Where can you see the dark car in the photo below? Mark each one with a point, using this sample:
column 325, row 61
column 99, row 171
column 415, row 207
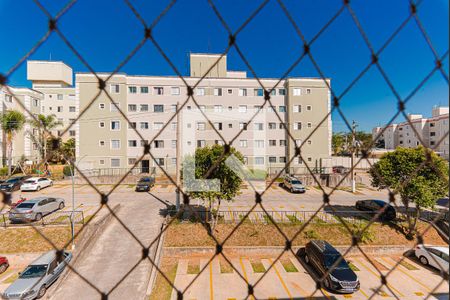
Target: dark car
column 145, row 184
column 322, row 257
column 13, row 183
column 376, row 206
column 4, row 264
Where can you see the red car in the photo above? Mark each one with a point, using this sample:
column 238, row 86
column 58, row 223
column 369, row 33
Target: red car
column 4, row 264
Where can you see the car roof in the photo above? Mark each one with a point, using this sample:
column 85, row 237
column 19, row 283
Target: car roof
column 35, row 200
column 45, row 258
column 442, row 249
column 325, row 247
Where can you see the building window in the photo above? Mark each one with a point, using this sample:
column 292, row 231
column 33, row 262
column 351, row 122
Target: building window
column 259, row 160
column 115, row 162
column 159, row 162
column 132, row 143
column 131, row 161
column 230, row 125
column 200, row 92
column 201, row 143
column 309, row 125
column 218, row 108
column 309, row 159
column 158, row 91
column 174, row 144
column 308, row 91
column 272, row 143
column 144, row 89
column 218, row 125
column 297, row 108
column 242, row 108
column 59, row 97
column 259, row 92
column 72, row 109
column 243, row 143
column 159, row 144
column 8, row 98
column 297, row 126
column 144, row 107
column 282, row 109
column 115, row 144
column 101, row 105
column 72, row 133
column 173, row 108
column 230, row 91
column 158, row 125
column 174, row 161
column 272, row 159
column 114, row 106
column 432, row 143
column 309, row 142
column 144, row 125
column 101, row 143
column 282, row 159
column 272, row 125
column 132, row 125
column 283, row 143
column 173, row 125
column 242, row 92
column 299, row 161
column 258, row 126
column 115, row 88
column 308, row 107
column 60, row 109
column 159, row 108
column 175, row 91
column 243, row 125
column 219, row 142
column 101, row 124
column 201, row 126
column 259, row 143
column 218, row 92
column 132, row 107
column 132, row 89
column 282, row 92
column 115, row 125
column 297, row 92
column 432, row 133
column 432, row 125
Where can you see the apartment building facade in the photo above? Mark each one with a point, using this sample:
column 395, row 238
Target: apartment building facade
column 108, row 140
column 433, row 132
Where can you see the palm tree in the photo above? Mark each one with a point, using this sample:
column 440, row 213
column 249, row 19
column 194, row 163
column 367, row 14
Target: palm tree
column 12, row 121
column 44, row 124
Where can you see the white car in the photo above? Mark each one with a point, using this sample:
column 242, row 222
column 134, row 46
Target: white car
column 35, row 184
column 434, row 256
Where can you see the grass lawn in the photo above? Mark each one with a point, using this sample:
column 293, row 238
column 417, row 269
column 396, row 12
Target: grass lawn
column 288, row 265
column 162, row 289
column 257, row 266
column 11, row 279
column 193, row 267
column 22, row 240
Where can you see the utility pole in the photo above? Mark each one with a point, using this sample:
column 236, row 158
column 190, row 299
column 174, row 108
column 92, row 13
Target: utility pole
column 178, row 158
column 353, row 156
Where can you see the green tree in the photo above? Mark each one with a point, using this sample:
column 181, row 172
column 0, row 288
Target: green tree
column 65, row 151
column 418, row 180
column 12, row 121
column 44, row 124
column 68, row 149
column 338, row 143
column 230, row 182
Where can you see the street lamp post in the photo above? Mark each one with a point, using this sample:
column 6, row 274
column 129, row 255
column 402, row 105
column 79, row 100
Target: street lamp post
column 72, row 221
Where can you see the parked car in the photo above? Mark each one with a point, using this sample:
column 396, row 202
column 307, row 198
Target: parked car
column 35, row 209
column 13, row 183
column 293, row 184
column 375, row 206
column 322, row 256
column 34, row 281
column 4, row 264
column 340, row 170
column 36, row 184
column 433, row 255
column 145, row 184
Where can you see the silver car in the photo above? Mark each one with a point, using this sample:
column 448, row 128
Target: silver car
column 35, row 209
column 33, row 282
column 293, row 184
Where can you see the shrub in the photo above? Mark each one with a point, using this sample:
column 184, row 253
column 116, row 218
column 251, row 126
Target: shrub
column 67, row 171
column 4, row 171
column 311, row 235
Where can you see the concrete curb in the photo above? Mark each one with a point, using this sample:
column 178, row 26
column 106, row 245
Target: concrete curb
column 91, row 232
column 156, row 260
column 247, row 251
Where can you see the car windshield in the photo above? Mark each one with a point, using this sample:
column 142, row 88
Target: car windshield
column 12, row 180
column 25, row 205
column 380, row 203
column 296, row 182
column 332, row 258
column 29, row 181
column 34, row 271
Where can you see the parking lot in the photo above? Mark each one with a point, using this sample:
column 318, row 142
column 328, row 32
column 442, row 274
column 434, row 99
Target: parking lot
column 290, row 279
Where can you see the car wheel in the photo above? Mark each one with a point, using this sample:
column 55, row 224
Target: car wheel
column 307, row 259
column 38, row 217
column 38, row 188
column 41, row 292
column 327, row 284
column 423, row 260
column 51, row 183
column 3, row 268
column 292, row 190
column 61, row 205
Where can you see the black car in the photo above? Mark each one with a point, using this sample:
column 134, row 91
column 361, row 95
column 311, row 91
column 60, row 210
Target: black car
column 389, row 213
column 145, row 184
column 322, row 257
column 13, row 183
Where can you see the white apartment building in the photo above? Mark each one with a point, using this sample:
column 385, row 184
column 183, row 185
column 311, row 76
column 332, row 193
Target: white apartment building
column 431, row 131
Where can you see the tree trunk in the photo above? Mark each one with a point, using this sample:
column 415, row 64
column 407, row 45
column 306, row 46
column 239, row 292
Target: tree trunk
column 9, row 140
column 216, row 219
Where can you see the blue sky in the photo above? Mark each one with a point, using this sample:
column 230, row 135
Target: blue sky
column 105, row 31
